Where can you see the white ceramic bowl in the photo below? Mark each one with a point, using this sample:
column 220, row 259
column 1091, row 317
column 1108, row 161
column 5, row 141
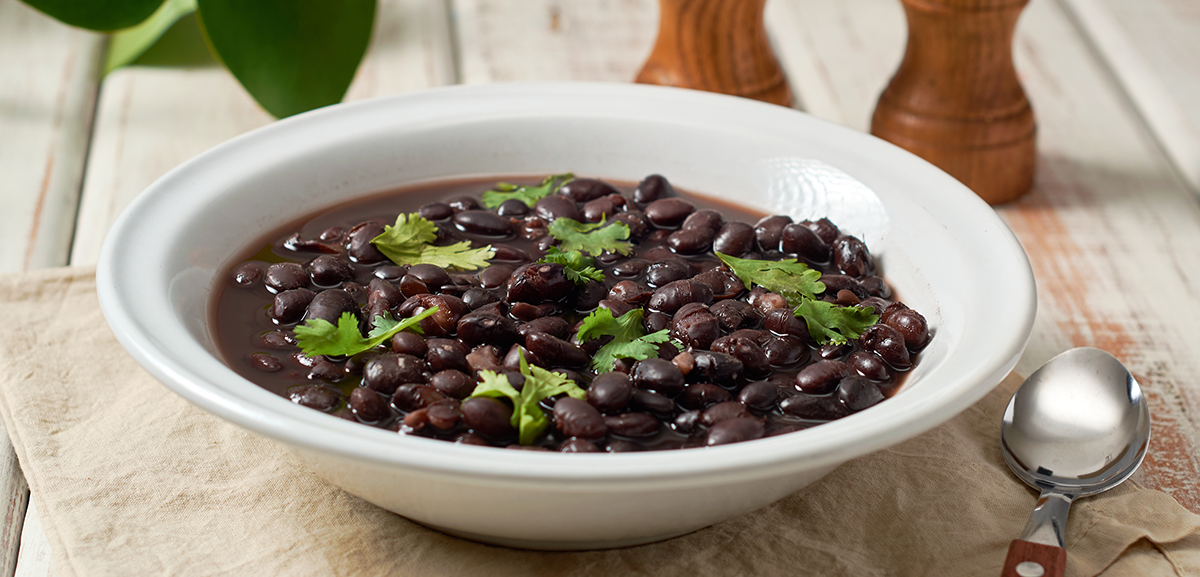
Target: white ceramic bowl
column 946, row 253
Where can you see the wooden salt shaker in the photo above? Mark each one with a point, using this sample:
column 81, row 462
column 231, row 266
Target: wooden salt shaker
column 718, row 46
column 956, row 101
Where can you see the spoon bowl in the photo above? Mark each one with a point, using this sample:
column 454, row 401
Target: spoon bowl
column 1079, row 425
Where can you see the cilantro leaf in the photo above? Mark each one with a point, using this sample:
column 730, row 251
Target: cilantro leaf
column 410, row 242
column 793, row 280
column 526, row 194
column 629, row 340
column 829, row 323
column 528, row 418
column 321, row 337
column 579, row 267
column 593, row 238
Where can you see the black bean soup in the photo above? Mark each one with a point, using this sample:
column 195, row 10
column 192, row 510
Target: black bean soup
column 748, row 366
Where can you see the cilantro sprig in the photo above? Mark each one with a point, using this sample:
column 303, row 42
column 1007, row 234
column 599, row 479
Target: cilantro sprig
column 410, row 240
column 579, row 267
column 629, row 340
column 791, row 279
column 321, row 337
column 526, row 194
column 830, row 323
column 592, row 238
column 528, row 418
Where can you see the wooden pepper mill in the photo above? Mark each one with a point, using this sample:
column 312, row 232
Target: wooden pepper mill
column 956, row 101
column 718, row 46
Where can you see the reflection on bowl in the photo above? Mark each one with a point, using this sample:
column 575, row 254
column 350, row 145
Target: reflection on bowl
column 941, row 247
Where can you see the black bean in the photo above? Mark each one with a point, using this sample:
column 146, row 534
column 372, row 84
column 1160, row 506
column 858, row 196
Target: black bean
column 639, row 225
column 694, row 326
column 704, row 218
column 671, row 297
column 760, row 395
column 283, row 276
column 769, row 230
column 691, row 240
column 610, row 392
column 629, row 268
column 822, row 377
column 556, row 326
column 488, row 416
column 869, row 365
column 633, row 425
column 538, row 283
column 387, row 372
column 857, row 393
column 851, row 257
column 714, row 367
column 555, row 351
column 785, row 351
column 654, row 403
column 358, row 242
column 329, row 270
column 384, row 291
column 652, row 188
column 557, row 206
column 814, row 407
column 797, row 239
column 409, row 343
column 579, row 446
column 734, row 314
column 587, row 296
column 875, row 286
column 276, row 339
column 723, row 412
column 888, row 343
column 476, row 298
column 722, row 284
column 412, row 396
column 485, row 358
column 826, row 230
column 687, row 422
column 265, row 362
column 512, row 207
column 317, row 397
column 436, row 211
column 659, row 376
column 630, row 292
column 461, row 203
column 734, row 431
column 411, row 286
column 585, row 189
column 248, row 274
column 576, row 418
column 329, row 305
column 452, row 383
column 483, row 223
column 663, row 273
column 654, row 322
column 431, row 275
column 702, row 395
column 911, row 325
column 488, row 328
column 598, row 209
column 289, row 305
column 835, row 283
column 734, row 239
column 368, row 405
column 510, row 253
column 441, row 323
column 325, row 370
column 785, row 322
column 669, row 212
column 447, row 354
column 754, row 360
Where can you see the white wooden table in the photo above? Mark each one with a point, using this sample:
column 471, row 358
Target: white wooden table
column 1112, row 226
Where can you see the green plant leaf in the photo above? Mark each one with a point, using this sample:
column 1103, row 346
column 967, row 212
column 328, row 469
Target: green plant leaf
column 829, row 323
column 127, row 45
column 592, row 238
column 291, row 55
column 793, row 280
column 629, row 340
column 96, row 15
column 528, row 418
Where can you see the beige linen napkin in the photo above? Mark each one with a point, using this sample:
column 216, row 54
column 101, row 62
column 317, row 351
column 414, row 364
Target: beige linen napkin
column 132, row 480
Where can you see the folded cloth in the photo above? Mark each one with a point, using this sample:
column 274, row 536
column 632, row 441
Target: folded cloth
column 130, row 479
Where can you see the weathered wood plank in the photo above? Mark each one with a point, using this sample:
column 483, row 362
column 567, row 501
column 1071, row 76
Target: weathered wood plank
column 34, row 558
column 150, row 120
column 1152, row 47
column 48, row 82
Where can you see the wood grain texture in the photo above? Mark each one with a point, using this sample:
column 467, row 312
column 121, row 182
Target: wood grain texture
column 1106, row 226
column 956, row 101
column 718, row 46
column 150, row 120
column 543, row 40
column 1048, row 561
column 34, row 558
column 1152, row 47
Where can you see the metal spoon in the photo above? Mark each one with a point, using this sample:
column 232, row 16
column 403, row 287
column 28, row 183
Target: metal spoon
column 1078, row 426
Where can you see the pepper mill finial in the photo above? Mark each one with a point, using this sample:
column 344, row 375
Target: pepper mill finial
column 956, row 101
column 718, row 46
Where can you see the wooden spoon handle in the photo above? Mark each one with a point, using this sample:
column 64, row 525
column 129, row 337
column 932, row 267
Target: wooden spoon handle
column 1026, row 559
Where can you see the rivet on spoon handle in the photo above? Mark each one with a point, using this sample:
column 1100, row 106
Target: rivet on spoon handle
column 1039, row 551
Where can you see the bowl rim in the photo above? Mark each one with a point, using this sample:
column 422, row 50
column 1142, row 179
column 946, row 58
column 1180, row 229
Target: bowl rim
column 816, row 447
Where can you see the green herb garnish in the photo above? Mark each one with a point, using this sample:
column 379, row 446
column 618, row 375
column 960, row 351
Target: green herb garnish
column 829, row 323
column 410, row 242
column 593, row 238
column 321, row 337
column 630, row 341
column 791, row 279
column 526, row 194
column 528, row 418
column 579, row 267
